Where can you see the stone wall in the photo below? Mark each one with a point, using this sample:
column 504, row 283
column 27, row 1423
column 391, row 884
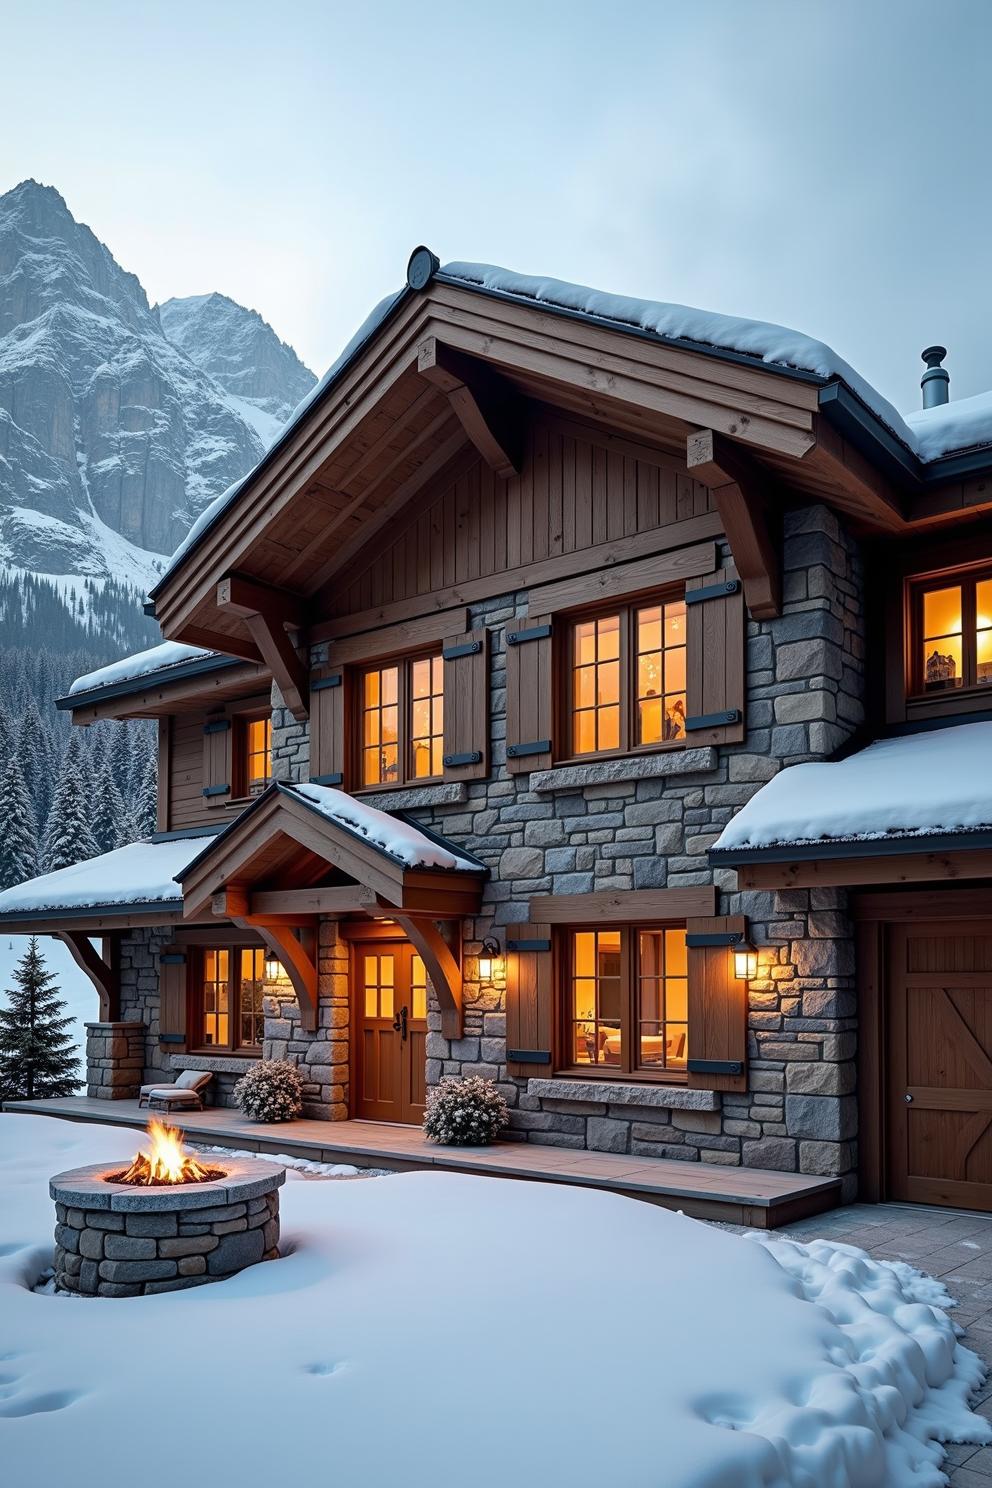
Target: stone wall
column 322, row 1056
column 115, row 1057
column 140, row 951
column 648, row 823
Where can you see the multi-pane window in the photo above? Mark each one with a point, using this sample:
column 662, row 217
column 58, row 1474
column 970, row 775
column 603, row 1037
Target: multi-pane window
column 232, row 986
column 628, row 678
column 258, row 754
column 626, row 1001
column 402, row 721
column 953, row 627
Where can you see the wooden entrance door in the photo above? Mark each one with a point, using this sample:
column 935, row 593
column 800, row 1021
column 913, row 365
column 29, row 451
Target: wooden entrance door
column 940, row 1063
column 390, row 1016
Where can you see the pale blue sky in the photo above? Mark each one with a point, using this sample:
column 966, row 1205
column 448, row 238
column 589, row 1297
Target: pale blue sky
column 825, row 165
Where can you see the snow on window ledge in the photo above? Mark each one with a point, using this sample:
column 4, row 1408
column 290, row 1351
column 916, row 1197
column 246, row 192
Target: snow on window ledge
column 617, row 771
column 614, row 1093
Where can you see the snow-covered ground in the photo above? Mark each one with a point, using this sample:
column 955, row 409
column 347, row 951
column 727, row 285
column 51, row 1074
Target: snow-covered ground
column 437, row 1329
column 77, row 990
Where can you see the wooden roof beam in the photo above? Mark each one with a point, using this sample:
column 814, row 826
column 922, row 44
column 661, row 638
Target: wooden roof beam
column 489, row 410
column 739, row 486
column 268, row 614
column 105, row 975
column 442, row 968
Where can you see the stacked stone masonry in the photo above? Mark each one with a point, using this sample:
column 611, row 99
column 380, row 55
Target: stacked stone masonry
column 115, row 1058
column 649, row 824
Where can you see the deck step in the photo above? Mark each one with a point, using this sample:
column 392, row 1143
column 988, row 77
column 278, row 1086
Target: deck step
column 751, row 1196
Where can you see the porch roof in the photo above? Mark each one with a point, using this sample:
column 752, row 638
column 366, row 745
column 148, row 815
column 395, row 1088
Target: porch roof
column 924, row 795
column 130, row 885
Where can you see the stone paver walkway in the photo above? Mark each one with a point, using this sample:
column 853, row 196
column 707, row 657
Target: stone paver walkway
column 948, row 1243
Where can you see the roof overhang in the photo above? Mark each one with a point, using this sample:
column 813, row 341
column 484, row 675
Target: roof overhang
column 920, row 858
column 192, row 684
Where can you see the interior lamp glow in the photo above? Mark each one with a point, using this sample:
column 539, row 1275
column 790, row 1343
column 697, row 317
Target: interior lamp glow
column 488, row 957
column 745, row 961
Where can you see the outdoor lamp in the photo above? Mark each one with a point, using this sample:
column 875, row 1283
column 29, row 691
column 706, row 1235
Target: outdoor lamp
column 745, row 961
column 273, row 966
column 488, row 957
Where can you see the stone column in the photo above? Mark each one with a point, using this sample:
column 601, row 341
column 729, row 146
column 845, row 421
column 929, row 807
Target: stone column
column 115, row 1057
column 322, row 1056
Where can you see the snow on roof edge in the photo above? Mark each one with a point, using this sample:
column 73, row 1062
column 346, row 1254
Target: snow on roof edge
column 139, row 874
column 141, row 665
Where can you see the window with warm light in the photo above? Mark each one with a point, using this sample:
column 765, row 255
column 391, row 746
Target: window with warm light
column 258, row 754
column 953, row 634
column 231, row 989
column 627, row 678
column 402, row 721
column 626, row 1000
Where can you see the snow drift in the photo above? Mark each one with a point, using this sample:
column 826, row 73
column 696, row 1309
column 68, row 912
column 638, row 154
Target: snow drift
column 435, row 1329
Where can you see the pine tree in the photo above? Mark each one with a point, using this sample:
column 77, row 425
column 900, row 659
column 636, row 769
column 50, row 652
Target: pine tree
column 19, row 834
column 68, row 836
column 34, row 759
column 108, row 811
column 37, row 1056
column 143, row 817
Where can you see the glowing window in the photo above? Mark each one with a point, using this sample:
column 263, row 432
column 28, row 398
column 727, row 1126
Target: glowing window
column 227, row 1004
column 258, row 754
column 628, row 679
column 402, row 721
column 953, row 634
column 626, row 1004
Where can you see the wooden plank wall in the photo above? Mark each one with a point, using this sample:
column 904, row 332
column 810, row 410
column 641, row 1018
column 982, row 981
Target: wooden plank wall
column 579, row 487
column 185, row 804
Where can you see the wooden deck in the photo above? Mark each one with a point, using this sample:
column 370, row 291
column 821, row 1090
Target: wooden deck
column 748, row 1196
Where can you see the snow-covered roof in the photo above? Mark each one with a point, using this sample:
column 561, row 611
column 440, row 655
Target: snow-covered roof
column 401, row 840
column 928, row 435
column 141, row 873
column 142, row 664
column 917, row 785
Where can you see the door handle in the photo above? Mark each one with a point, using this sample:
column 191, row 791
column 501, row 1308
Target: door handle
column 403, row 1018
column 907, row 1097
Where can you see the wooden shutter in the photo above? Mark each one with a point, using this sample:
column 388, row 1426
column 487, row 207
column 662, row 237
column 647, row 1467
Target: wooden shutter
column 529, row 694
column 717, row 1045
column 172, row 996
column 530, row 1007
column 327, row 730
column 466, row 706
column 715, row 659
column 217, row 761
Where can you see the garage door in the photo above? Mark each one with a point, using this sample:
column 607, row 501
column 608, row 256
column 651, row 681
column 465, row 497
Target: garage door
column 939, row 1038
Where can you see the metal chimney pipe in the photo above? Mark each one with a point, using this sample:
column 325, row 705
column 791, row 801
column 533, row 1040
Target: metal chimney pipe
column 936, row 378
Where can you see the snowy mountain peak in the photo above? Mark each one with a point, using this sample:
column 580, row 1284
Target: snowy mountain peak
column 116, row 427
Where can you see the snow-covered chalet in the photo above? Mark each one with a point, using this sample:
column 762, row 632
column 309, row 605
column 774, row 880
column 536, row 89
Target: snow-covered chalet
column 590, row 694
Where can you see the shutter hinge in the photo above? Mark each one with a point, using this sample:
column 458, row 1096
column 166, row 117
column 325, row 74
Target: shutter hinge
column 217, row 726
column 528, row 945
column 467, row 648
column 529, row 1056
column 334, row 778
column 535, row 746
column 715, row 1066
column 535, row 633
column 713, row 720
column 172, row 958
column 717, row 938
column 712, row 591
column 470, row 757
column 217, row 790
column 334, row 680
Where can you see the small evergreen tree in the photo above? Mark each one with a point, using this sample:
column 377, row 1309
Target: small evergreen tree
column 108, row 812
column 142, row 820
column 18, row 828
column 68, row 836
column 37, row 1056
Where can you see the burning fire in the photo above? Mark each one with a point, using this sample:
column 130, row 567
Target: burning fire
column 167, row 1161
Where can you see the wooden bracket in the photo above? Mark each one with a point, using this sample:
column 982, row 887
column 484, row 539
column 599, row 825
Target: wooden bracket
column 739, row 489
column 488, row 408
column 105, row 975
column 298, row 959
column 268, row 614
column 442, row 968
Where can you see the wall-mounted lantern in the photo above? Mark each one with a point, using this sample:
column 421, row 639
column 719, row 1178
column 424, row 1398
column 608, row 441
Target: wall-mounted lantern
column 489, row 958
column 745, row 961
column 273, row 966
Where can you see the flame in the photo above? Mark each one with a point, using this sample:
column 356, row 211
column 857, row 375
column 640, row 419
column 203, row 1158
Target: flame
column 167, row 1161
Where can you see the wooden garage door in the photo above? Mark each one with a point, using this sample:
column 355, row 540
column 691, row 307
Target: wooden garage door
column 940, row 1063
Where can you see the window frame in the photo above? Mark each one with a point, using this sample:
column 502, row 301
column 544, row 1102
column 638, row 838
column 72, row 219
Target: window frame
column 967, row 580
column 404, row 663
column 241, row 724
column 627, row 1072
column 195, row 1011
column 626, row 607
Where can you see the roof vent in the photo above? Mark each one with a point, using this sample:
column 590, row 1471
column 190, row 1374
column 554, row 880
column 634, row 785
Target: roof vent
column 936, row 378
column 422, row 267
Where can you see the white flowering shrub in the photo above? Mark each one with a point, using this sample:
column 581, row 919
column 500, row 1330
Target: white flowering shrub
column 465, row 1113
column 271, row 1091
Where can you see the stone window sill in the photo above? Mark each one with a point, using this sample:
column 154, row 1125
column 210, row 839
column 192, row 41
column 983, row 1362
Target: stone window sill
column 218, row 1064
column 618, row 1093
column 406, row 798
column 624, row 769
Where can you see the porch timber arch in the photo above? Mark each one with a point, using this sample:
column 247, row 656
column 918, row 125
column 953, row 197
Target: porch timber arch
column 288, row 862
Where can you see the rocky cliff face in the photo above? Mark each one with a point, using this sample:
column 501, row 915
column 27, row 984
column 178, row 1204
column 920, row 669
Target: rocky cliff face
column 113, row 437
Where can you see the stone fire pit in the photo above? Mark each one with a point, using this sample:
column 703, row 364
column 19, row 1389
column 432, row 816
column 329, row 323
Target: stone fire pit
column 118, row 1240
